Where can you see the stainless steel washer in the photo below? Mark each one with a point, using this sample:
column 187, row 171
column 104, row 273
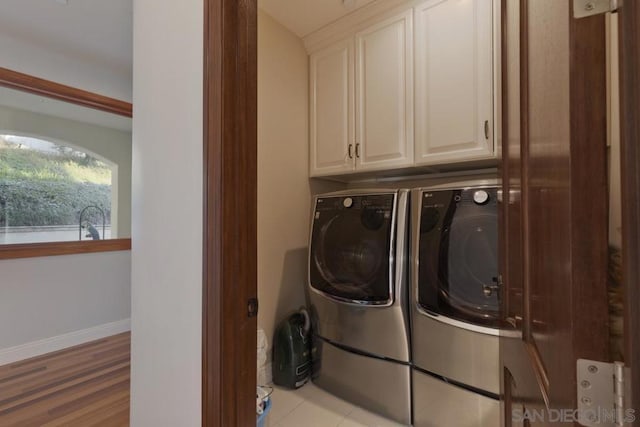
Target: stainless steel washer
column 359, row 299
column 455, row 304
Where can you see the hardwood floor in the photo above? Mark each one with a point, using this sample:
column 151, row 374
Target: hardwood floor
column 87, row 385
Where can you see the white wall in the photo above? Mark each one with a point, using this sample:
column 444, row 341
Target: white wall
column 283, row 189
column 167, row 214
column 20, row 55
column 66, row 277
column 46, row 297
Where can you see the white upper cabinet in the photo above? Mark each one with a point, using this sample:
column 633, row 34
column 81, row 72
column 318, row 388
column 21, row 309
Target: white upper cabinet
column 332, row 146
column 384, row 94
column 404, row 83
column 454, row 81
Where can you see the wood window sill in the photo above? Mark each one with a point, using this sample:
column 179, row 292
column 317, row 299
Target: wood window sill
column 33, row 250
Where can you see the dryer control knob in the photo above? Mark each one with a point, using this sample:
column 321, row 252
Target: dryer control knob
column 481, row 197
column 347, row 202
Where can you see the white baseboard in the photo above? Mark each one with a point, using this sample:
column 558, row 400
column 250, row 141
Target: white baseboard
column 48, row 345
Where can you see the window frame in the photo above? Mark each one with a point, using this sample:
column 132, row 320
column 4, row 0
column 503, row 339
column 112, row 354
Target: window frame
column 35, row 85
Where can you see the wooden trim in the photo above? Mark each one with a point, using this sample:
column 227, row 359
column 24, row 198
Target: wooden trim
column 503, row 165
column 230, row 213
column 524, row 170
column 33, row 250
column 35, row 85
column 590, row 194
column 629, row 36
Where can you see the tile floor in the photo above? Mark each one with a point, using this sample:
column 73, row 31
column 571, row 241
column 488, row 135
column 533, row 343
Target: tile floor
column 310, row 406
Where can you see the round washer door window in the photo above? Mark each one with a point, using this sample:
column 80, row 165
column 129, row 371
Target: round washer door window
column 472, row 263
column 350, row 251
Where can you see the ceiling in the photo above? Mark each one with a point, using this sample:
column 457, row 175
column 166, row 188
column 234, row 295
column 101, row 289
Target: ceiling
column 100, row 31
column 64, row 110
column 95, row 31
column 303, row 17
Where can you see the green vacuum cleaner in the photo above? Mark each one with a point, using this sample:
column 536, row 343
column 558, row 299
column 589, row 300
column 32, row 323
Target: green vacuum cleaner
column 292, row 351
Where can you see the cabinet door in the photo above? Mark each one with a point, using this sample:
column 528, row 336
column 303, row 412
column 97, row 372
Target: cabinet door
column 454, row 84
column 384, row 94
column 332, row 137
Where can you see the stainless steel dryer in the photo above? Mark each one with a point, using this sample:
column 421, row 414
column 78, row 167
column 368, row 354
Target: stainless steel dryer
column 359, row 299
column 455, row 300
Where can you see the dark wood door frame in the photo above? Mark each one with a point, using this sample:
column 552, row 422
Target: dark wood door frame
column 629, row 21
column 554, row 220
column 230, row 213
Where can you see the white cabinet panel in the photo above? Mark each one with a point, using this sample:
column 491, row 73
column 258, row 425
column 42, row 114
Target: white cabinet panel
column 331, row 110
column 454, row 90
column 384, row 94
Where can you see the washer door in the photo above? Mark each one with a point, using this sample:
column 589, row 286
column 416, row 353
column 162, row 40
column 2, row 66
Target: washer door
column 458, row 247
column 469, row 264
column 351, row 246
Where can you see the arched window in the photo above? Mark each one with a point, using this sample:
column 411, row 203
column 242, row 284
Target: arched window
column 52, row 193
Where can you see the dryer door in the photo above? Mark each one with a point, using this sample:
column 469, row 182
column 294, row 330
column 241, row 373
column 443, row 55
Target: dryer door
column 351, row 253
column 458, row 246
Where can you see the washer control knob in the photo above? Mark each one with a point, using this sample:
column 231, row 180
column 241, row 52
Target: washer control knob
column 347, row 202
column 481, row 197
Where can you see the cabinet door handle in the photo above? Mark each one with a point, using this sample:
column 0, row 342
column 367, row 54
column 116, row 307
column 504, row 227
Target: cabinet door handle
column 350, row 149
column 486, row 129
column 358, row 150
